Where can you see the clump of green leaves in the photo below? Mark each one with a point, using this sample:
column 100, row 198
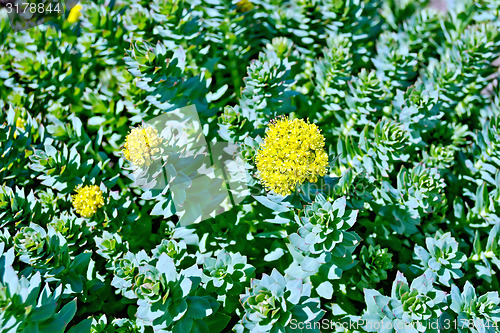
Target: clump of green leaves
column 404, row 94
column 273, row 301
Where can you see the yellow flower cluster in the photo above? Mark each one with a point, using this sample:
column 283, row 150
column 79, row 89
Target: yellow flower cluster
column 75, row 13
column 141, row 144
column 292, row 152
column 87, row 199
column 21, row 123
column 244, row 6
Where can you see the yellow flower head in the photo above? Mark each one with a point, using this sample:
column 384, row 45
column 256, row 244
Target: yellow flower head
column 141, row 144
column 75, row 13
column 244, row 6
column 87, row 199
column 292, row 152
column 20, row 123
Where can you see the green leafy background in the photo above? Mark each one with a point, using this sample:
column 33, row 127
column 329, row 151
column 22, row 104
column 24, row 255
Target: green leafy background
column 404, row 227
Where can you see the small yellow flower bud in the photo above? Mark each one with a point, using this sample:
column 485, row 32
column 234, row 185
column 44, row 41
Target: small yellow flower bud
column 244, row 6
column 20, row 123
column 75, row 13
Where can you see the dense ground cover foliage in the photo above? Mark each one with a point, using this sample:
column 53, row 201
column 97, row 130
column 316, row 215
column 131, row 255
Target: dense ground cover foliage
column 383, row 125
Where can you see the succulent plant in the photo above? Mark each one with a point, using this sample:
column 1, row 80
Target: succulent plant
column 442, row 257
column 416, row 306
column 323, row 239
column 168, row 300
column 227, row 272
column 475, row 313
column 272, row 302
column 27, row 304
column 419, row 194
column 406, row 96
column 374, row 262
column 126, row 270
column 173, row 248
column 37, row 247
column 395, row 63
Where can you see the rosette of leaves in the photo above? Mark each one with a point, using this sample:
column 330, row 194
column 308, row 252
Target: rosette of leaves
column 360, row 21
column 441, row 157
column 272, row 302
column 419, row 195
column 47, row 252
column 125, row 270
column 17, row 206
column 375, row 156
column 147, row 283
column 26, row 304
column 391, row 140
column 372, row 267
column 168, row 298
column 479, row 45
column 175, row 249
column 43, row 60
column 227, row 274
column 465, row 66
column 417, row 109
column 442, row 257
column 282, row 46
column 332, row 74
column 323, row 243
column 396, row 65
column 164, row 83
column 476, row 314
column 76, row 231
column 446, row 77
column 424, row 32
column 305, row 17
column 267, row 89
column 41, row 249
column 266, row 94
column 365, row 101
column 63, row 168
column 103, row 33
column 110, row 246
column 483, row 180
column 407, row 305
